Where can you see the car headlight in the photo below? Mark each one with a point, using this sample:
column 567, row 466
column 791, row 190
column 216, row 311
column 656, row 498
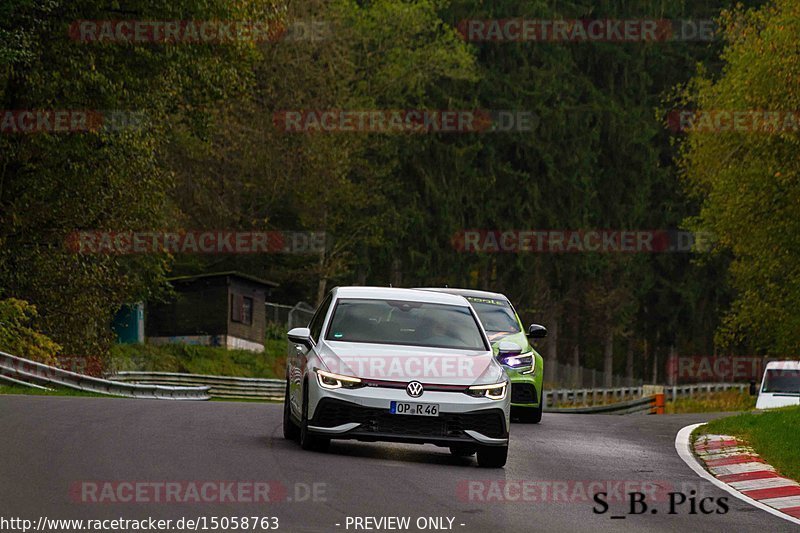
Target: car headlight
column 495, row 391
column 329, row 380
column 524, row 362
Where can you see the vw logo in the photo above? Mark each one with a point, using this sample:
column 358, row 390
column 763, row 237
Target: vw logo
column 414, row 389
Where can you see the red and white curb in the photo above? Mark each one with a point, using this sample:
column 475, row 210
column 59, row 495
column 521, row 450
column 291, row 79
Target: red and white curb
column 738, row 470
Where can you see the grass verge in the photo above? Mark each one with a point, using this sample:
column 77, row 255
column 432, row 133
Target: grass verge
column 202, row 359
column 715, row 402
column 183, row 358
column 30, row 391
column 773, row 434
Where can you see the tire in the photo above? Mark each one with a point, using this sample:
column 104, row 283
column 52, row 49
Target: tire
column 309, row 441
column 290, row 429
column 462, row 451
column 492, row 456
column 530, row 415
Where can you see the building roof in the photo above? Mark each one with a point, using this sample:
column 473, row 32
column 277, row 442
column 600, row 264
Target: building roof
column 230, row 273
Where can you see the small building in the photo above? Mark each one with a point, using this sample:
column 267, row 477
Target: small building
column 221, row 309
column 128, row 324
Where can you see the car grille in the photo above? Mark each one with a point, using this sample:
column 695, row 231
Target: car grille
column 331, row 413
column 523, row 393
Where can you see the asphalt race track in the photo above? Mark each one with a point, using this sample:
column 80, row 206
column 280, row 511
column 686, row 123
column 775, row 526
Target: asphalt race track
column 50, row 444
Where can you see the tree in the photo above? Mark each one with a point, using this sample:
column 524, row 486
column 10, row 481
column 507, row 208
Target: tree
column 748, row 179
column 19, row 338
column 55, row 183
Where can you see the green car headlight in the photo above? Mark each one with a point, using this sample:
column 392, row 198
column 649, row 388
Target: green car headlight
column 525, row 363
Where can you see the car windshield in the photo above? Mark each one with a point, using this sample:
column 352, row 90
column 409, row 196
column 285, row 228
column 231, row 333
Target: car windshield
column 782, row 381
column 497, row 316
column 405, row 323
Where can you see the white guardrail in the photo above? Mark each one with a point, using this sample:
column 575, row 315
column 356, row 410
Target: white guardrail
column 637, row 405
column 177, row 386
column 595, row 397
column 29, row 373
column 219, row 386
column 624, row 400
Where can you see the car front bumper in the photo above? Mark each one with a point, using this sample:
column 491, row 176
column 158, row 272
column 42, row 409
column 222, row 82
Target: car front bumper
column 526, row 389
column 363, row 414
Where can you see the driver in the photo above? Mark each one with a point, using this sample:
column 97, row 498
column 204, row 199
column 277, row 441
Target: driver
column 440, row 334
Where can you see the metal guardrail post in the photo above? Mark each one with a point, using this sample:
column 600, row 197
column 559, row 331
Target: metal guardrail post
column 658, row 404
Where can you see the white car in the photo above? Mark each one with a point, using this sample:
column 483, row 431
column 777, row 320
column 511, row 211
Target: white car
column 397, row 365
column 780, row 386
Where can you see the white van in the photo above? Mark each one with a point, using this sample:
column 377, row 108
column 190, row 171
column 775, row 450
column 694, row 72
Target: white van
column 780, row 386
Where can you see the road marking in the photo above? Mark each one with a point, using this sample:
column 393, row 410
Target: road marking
column 683, row 447
column 777, row 492
column 783, row 503
column 794, row 511
column 740, row 468
column 744, row 476
column 735, row 460
column 716, row 444
column 764, row 483
column 728, row 452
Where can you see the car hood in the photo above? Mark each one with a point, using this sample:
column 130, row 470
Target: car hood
column 409, row 363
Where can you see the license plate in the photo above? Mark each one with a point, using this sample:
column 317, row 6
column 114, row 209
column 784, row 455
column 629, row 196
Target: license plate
column 416, row 409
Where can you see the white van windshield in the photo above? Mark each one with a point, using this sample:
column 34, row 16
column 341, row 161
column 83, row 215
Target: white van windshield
column 782, row 381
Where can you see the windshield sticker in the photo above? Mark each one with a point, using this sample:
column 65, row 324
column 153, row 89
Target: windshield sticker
column 490, row 301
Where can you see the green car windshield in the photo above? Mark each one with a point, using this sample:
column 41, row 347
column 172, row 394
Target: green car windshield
column 497, row 316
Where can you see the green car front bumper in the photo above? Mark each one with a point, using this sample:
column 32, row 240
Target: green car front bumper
column 526, row 389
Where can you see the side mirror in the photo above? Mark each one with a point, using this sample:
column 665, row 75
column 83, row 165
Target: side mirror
column 300, row 336
column 535, row 331
column 506, row 348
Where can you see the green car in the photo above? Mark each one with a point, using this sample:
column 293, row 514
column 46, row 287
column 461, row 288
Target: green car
column 510, row 343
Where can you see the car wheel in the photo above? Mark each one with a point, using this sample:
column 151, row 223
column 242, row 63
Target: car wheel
column 492, row 456
column 290, row 429
column 462, row 451
column 530, row 415
column 307, row 440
